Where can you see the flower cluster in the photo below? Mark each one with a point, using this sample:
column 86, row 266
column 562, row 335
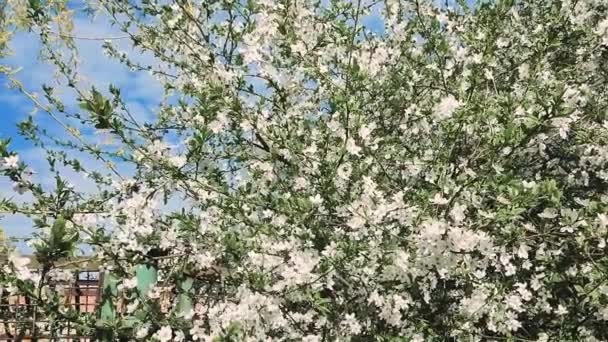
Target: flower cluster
column 349, row 170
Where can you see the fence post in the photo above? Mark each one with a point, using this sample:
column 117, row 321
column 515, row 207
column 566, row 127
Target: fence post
column 146, row 278
column 184, row 300
column 108, row 310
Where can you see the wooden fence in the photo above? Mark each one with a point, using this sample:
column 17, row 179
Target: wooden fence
column 22, row 320
column 90, row 293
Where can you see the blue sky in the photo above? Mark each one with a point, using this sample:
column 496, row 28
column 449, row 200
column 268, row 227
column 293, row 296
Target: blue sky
column 142, row 94
column 140, row 90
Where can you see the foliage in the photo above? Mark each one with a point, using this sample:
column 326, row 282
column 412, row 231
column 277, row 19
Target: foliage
column 440, row 175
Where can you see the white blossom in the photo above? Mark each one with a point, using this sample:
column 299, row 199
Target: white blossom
column 165, row 334
column 10, row 162
column 446, row 107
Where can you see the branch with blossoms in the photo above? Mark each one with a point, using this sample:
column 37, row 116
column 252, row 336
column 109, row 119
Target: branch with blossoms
column 320, row 171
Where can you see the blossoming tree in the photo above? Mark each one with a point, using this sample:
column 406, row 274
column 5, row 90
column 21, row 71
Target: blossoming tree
column 440, row 175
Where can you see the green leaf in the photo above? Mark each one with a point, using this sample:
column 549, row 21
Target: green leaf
column 100, row 109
